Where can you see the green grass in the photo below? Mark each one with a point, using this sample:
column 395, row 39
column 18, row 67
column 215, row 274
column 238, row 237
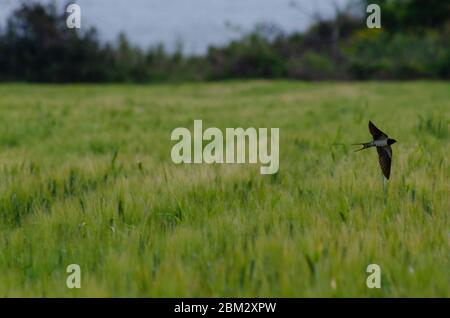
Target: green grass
column 86, row 178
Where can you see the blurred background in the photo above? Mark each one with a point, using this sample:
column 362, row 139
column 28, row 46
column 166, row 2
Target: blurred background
column 206, row 40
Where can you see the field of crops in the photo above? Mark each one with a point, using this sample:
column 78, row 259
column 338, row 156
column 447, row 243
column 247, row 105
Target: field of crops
column 86, row 178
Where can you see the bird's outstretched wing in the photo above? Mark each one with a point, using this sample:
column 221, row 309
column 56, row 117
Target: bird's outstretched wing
column 376, row 133
column 385, row 159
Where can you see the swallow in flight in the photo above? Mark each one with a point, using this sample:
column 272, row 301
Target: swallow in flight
column 383, row 144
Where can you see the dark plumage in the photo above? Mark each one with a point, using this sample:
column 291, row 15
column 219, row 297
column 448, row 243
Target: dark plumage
column 383, row 144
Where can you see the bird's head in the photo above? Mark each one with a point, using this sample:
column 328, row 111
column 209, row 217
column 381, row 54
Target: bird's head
column 391, row 141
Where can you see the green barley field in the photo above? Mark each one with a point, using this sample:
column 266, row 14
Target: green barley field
column 86, row 178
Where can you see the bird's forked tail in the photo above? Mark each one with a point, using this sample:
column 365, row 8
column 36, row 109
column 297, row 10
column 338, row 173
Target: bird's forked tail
column 364, row 145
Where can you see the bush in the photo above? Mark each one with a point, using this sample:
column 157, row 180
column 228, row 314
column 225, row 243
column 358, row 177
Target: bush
column 381, row 55
column 251, row 57
column 313, row 66
column 37, row 46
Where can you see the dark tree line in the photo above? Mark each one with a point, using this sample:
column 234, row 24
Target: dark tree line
column 37, row 46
